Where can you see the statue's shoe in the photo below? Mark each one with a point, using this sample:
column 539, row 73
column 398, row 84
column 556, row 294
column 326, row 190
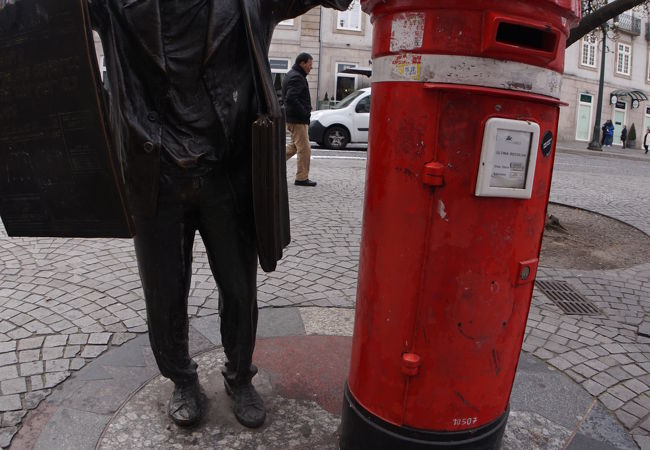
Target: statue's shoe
column 184, row 406
column 248, row 405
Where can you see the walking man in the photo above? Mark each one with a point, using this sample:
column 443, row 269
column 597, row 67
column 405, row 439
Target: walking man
column 182, row 98
column 624, row 135
column 297, row 104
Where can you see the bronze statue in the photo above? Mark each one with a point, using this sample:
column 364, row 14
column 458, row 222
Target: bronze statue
column 182, row 101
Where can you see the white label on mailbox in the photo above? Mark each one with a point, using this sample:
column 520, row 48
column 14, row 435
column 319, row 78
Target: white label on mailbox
column 508, row 158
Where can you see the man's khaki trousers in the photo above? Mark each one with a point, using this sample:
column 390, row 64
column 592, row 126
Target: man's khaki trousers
column 299, row 144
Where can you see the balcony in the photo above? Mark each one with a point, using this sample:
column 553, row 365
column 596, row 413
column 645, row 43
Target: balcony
column 627, row 23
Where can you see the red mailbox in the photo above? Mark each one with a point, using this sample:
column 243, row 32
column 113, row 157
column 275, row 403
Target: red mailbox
column 465, row 105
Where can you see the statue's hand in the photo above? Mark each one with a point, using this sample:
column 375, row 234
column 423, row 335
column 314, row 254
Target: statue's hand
column 341, row 5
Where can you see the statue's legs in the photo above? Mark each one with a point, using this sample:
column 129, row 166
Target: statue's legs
column 232, row 254
column 163, row 247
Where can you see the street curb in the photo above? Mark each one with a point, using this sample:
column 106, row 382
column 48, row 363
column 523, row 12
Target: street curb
column 600, row 154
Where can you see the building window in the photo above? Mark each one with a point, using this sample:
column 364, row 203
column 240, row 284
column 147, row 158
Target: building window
column 279, row 68
column 345, row 82
column 287, row 23
column 351, row 18
column 623, row 56
column 588, row 56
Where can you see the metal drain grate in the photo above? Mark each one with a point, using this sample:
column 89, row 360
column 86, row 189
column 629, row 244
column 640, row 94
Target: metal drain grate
column 567, row 299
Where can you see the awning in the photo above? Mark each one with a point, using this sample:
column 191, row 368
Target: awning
column 634, row 95
column 367, row 71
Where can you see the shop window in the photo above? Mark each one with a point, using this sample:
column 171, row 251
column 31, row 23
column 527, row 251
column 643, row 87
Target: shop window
column 279, row 69
column 345, row 83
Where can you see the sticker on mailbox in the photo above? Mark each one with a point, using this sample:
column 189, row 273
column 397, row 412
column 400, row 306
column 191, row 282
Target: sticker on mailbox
column 406, row 65
column 508, row 158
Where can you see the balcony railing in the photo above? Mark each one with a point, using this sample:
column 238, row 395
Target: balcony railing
column 628, row 24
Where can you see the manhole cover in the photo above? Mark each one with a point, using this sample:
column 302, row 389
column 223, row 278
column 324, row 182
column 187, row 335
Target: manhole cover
column 567, row 299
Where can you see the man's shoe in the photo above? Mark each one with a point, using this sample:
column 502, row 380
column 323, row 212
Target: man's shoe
column 184, row 406
column 306, row 182
column 248, row 405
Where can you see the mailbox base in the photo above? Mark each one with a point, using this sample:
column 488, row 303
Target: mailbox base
column 361, row 430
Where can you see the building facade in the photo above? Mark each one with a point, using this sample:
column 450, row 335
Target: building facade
column 626, row 81
column 337, row 41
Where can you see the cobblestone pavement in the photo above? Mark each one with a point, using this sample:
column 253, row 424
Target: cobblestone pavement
column 63, row 302
column 603, row 353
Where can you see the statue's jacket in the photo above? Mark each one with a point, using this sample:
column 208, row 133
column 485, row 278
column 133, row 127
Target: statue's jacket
column 137, row 83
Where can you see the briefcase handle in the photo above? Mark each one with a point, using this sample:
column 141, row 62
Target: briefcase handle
column 270, row 100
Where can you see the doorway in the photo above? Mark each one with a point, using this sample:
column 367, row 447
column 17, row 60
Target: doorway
column 583, row 126
column 619, row 121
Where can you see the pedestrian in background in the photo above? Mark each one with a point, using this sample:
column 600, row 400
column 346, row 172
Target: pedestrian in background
column 297, row 104
column 624, row 135
column 609, row 133
column 646, row 140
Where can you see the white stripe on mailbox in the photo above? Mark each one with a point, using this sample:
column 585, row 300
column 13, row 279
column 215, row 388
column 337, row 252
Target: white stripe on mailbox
column 469, row 70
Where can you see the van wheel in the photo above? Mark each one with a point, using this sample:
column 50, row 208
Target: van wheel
column 336, row 137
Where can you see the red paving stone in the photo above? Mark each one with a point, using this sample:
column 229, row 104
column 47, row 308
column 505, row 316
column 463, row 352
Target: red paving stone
column 307, row 367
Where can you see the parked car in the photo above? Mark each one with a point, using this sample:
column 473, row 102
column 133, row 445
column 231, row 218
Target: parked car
column 346, row 122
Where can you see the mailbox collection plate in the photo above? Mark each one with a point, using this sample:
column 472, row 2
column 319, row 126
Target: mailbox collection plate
column 508, row 159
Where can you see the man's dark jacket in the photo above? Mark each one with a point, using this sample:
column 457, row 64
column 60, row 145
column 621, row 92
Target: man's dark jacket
column 295, row 93
column 137, row 83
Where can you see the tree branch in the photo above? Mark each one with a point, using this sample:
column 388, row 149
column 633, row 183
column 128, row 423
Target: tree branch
column 599, row 17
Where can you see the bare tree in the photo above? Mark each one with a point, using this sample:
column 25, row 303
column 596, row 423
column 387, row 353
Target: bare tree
column 597, row 12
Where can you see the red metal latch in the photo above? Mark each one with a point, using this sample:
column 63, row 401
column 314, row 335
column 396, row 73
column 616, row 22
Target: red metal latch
column 410, row 364
column 433, row 174
column 526, row 272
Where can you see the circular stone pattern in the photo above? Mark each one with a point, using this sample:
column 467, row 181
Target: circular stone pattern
column 588, row 241
column 143, row 423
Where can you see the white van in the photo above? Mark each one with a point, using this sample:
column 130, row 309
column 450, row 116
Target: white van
column 346, row 122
